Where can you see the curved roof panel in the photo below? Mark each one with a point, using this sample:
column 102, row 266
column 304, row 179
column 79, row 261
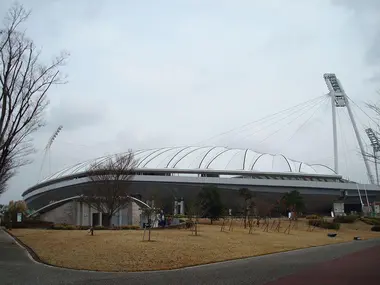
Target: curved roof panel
column 207, row 157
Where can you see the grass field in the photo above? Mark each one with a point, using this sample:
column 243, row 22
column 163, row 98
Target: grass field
column 173, row 248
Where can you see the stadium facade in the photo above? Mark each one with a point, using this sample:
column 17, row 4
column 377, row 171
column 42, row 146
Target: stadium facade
column 181, row 172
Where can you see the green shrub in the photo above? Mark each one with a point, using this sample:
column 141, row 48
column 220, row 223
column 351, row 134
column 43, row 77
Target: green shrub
column 346, row 219
column 312, row 217
column 96, row 228
column 129, row 227
column 29, row 224
column 178, row 216
column 85, row 228
column 70, row 227
column 375, row 229
column 99, row 228
column 321, row 223
column 63, row 227
column 371, row 221
column 330, row 225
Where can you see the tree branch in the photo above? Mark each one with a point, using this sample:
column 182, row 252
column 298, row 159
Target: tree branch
column 24, row 84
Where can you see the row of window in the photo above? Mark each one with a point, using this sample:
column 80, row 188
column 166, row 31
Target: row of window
column 276, row 177
column 255, row 176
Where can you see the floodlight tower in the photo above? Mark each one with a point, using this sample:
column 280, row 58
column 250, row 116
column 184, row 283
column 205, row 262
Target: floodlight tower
column 375, row 143
column 339, row 100
column 47, row 148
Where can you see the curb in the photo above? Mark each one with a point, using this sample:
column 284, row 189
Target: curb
column 34, row 257
column 31, row 252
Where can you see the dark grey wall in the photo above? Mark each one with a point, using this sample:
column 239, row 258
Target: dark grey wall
column 164, row 194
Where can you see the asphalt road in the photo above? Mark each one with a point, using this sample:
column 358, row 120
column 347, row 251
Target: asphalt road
column 16, row 267
column 361, row 267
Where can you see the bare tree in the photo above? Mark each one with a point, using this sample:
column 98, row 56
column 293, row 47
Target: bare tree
column 24, row 84
column 150, row 213
column 194, row 212
column 249, row 203
column 112, row 177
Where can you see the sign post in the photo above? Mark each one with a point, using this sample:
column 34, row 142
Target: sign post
column 19, row 217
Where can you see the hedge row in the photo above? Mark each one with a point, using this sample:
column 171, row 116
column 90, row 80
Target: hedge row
column 29, row 224
column 320, row 223
column 371, row 221
column 346, row 219
column 375, row 229
column 96, row 228
column 313, row 217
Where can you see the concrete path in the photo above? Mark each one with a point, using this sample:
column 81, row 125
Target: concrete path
column 16, row 267
column 362, row 267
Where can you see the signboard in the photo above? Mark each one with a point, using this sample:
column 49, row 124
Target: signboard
column 19, row 217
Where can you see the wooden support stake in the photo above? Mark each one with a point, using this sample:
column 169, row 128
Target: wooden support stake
column 223, row 225
column 278, row 226
column 266, row 226
column 273, row 224
column 231, row 228
column 288, row 227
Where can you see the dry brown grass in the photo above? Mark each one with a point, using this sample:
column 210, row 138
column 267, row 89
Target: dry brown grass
column 174, row 248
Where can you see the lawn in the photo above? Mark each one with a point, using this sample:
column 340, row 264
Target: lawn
column 172, row 248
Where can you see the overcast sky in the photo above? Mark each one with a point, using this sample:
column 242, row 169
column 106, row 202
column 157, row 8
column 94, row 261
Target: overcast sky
column 146, row 74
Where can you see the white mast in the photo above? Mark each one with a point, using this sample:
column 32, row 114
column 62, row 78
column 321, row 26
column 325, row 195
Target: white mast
column 47, row 149
column 339, row 99
column 375, row 143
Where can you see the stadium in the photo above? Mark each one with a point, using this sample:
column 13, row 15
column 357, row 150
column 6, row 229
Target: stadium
column 172, row 174
column 166, row 174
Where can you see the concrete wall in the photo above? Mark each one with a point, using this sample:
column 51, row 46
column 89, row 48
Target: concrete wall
column 78, row 213
column 64, row 214
column 134, row 214
column 318, row 202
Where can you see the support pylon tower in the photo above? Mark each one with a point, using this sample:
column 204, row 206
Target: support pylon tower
column 339, row 99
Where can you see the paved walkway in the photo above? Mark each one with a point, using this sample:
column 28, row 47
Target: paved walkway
column 17, row 268
column 362, row 267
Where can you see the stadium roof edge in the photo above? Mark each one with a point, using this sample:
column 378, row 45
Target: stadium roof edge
column 190, row 171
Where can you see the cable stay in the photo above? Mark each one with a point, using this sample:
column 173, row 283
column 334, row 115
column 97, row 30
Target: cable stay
column 294, row 119
column 271, row 116
column 323, row 103
column 284, row 118
column 361, row 109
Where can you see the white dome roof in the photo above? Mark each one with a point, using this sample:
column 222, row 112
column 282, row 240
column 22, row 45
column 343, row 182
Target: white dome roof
column 208, row 157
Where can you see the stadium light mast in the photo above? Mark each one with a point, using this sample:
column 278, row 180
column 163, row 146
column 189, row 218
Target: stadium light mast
column 47, row 149
column 375, row 143
column 339, row 100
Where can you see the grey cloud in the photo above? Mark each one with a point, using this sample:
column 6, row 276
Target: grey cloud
column 367, row 15
column 73, row 116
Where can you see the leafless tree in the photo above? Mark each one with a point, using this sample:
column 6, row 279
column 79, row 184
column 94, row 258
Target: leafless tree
column 249, row 203
column 193, row 213
column 112, row 177
column 24, row 84
column 150, row 213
